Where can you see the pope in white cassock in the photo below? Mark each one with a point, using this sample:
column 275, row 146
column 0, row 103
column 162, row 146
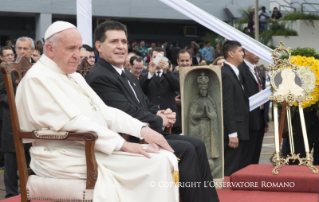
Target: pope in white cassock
column 53, row 96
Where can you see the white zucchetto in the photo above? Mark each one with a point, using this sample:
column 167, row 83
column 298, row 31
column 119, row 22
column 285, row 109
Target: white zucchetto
column 56, row 27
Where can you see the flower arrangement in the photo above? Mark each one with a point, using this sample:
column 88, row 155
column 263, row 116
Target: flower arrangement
column 309, row 71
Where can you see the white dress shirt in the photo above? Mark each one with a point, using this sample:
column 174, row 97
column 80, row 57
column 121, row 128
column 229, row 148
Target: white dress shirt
column 120, row 71
column 251, row 68
column 149, row 76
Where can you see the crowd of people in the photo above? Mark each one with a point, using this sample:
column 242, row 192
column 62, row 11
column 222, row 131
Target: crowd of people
column 127, row 78
column 264, row 18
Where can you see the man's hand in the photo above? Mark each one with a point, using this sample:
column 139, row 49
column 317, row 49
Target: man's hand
column 164, row 65
column 233, row 142
column 164, row 117
column 138, row 149
column 151, row 68
column 169, row 117
column 155, row 139
column 267, row 128
column 178, row 100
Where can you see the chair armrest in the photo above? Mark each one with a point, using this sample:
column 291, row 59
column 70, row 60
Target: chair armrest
column 168, row 130
column 88, row 137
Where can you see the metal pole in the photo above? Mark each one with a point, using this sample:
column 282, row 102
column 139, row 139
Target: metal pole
column 256, row 21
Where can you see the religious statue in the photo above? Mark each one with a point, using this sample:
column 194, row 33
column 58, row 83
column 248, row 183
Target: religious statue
column 288, row 83
column 203, row 119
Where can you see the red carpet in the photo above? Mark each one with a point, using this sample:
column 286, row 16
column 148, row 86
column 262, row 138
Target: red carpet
column 291, row 178
column 229, row 195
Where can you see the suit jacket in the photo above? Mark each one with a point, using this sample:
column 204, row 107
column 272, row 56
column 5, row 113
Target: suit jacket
column 235, row 105
column 195, row 61
column 251, row 88
column 162, row 92
column 7, row 141
column 115, row 91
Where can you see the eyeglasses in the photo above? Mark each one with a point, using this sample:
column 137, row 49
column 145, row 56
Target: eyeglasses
column 8, row 55
column 92, row 57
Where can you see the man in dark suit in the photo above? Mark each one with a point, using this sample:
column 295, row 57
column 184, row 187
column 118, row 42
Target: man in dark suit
column 253, row 82
column 25, row 46
column 160, row 85
column 183, row 60
column 122, row 90
column 235, row 107
column 196, row 59
column 173, row 52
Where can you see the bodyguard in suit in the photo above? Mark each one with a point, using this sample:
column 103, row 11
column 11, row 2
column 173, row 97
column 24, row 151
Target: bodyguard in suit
column 235, row 107
column 253, row 82
column 121, row 89
column 160, row 86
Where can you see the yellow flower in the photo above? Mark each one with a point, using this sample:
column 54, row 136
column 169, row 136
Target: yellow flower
column 310, row 59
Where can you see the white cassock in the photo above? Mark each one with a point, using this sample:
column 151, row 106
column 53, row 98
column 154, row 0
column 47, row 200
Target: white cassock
column 49, row 98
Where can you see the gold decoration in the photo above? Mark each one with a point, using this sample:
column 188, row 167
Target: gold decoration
column 288, row 93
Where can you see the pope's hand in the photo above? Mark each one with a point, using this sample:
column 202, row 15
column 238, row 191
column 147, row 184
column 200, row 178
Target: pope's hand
column 233, row 142
column 155, row 139
column 138, row 149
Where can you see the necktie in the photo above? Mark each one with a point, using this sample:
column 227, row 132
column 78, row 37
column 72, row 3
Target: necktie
column 157, row 77
column 241, row 83
column 258, row 81
column 129, row 83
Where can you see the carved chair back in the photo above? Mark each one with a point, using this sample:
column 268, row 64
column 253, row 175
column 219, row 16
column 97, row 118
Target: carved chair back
column 20, row 68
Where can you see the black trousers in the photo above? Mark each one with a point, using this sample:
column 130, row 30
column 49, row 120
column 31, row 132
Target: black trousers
column 312, row 124
column 10, row 174
column 193, row 167
column 299, row 145
column 252, row 147
column 10, row 171
column 247, row 151
column 1, row 153
column 259, row 139
column 232, row 157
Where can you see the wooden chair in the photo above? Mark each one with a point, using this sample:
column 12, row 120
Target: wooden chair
column 84, row 68
column 32, row 181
